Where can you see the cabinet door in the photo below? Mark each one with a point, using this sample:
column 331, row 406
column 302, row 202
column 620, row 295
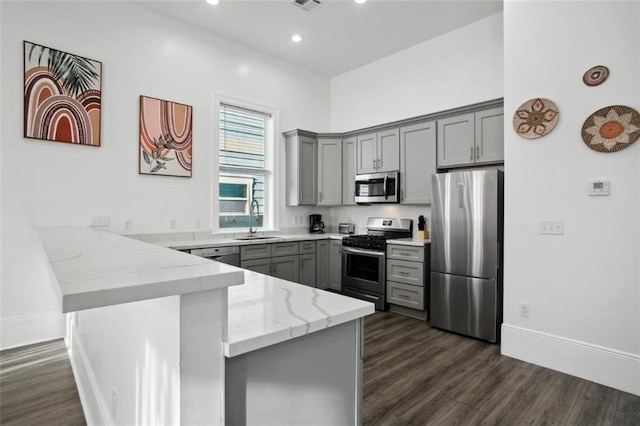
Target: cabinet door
column 307, row 171
column 322, row 264
column 285, row 267
column 366, row 146
column 417, row 162
column 262, row 266
column 348, row 171
column 389, row 150
column 456, row 138
column 490, row 135
column 335, row 265
column 307, row 273
column 329, row 172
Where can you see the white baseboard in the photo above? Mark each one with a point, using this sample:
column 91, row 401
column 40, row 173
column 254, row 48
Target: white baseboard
column 96, row 412
column 27, row 329
column 609, row 367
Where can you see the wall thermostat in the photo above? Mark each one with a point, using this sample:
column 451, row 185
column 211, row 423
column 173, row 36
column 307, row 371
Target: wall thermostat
column 598, row 187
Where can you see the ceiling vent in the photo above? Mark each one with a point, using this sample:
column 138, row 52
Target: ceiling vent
column 307, row 5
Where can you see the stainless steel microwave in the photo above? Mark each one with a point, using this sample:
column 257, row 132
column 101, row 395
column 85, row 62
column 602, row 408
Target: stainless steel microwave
column 378, row 188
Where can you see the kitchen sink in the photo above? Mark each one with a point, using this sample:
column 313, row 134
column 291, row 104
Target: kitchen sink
column 254, row 238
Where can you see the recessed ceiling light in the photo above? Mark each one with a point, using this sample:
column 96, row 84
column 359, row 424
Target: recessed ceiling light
column 360, row 1
column 296, row 38
column 213, row 2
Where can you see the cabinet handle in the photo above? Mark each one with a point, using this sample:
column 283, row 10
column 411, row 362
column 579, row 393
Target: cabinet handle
column 320, row 196
column 403, row 273
column 300, row 196
column 274, row 267
column 374, row 164
column 401, row 194
column 378, row 162
column 477, row 152
column 471, row 156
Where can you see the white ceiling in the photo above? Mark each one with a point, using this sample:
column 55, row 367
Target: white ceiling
column 339, row 35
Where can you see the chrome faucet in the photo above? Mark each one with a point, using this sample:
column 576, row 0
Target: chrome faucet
column 255, row 204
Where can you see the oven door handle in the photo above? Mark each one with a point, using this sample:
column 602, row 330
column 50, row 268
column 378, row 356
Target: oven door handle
column 371, row 253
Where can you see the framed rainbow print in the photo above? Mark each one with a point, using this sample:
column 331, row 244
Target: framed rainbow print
column 62, row 96
column 165, row 137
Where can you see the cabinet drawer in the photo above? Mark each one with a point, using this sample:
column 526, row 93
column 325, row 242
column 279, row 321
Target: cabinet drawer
column 257, row 251
column 262, row 266
column 284, row 249
column 405, row 295
column 402, row 252
column 307, row 247
column 405, row 272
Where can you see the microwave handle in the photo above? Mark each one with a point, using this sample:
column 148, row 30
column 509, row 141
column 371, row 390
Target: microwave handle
column 384, row 190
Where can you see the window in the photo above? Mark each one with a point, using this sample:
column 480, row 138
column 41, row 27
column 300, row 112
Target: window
column 245, row 138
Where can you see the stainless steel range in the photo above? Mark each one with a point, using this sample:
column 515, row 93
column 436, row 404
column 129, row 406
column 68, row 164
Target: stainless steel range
column 364, row 259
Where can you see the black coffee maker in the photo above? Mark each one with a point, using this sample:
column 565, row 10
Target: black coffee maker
column 317, row 225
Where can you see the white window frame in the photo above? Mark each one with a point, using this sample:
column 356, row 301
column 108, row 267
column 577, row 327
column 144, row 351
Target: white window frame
column 242, row 181
column 272, row 173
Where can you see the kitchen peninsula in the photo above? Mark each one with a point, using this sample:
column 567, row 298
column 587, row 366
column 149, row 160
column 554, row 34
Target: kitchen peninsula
column 276, row 335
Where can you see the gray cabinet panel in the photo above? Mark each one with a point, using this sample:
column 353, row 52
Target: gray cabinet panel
column 417, row 162
column 307, row 273
column 329, row 172
column 348, row 171
column 284, row 249
column 388, row 150
column 402, row 252
column 366, row 153
column 262, row 266
column 322, row 264
column 490, row 135
column 307, row 171
column 402, row 271
column 456, row 140
column 255, row 251
column 306, row 247
column 335, row 265
column 285, row 267
column 405, row 295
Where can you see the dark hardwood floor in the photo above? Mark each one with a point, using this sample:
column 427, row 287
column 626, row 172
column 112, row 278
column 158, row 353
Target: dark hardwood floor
column 416, row 375
column 37, row 386
column 413, row 375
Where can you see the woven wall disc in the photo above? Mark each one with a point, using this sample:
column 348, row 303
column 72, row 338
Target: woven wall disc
column 595, row 76
column 535, row 118
column 611, row 128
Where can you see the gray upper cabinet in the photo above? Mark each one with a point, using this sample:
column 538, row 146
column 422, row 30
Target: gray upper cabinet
column 329, row 172
column 473, row 138
column 417, row 162
column 348, row 171
column 378, row 152
column 301, row 169
column 490, row 135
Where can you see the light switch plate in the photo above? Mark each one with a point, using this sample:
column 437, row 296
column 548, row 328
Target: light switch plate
column 552, row 227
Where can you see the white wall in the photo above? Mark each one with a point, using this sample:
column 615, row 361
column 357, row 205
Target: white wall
column 459, row 68
column 582, row 287
column 47, row 184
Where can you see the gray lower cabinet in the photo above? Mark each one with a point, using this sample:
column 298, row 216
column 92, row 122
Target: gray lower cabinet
column 286, row 267
column 322, row 264
column 335, row 265
column 408, row 279
column 255, row 251
column 307, row 273
column 262, row 266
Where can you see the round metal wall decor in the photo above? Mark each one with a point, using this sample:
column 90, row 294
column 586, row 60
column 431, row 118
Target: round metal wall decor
column 611, row 129
column 535, row 118
column 595, row 76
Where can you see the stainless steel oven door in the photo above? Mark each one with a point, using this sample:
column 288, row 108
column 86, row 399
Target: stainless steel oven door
column 363, row 269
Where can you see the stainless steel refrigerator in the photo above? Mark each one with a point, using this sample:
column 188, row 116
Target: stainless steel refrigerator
column 466, row 252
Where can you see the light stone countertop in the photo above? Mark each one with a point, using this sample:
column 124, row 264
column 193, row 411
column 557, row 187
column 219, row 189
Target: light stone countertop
column 191, row 240
column 267, row 310
column 95, row 268
column 416, row 242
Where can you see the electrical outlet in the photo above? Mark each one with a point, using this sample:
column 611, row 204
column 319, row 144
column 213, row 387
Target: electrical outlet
column 126, row 225
column 172, row 224
column 100, row 221
column 552, row 227
column 114, row 403
column 524, row 310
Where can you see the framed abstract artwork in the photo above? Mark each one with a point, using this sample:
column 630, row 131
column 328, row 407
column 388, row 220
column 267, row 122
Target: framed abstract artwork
column 165, row 137
column 62, row 96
